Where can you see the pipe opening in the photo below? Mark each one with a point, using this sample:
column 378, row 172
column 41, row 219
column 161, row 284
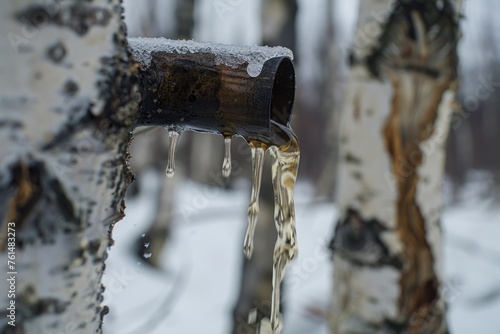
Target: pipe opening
column 283, row 92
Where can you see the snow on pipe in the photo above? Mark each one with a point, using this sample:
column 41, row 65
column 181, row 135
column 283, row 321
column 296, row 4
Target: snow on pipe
column 206, row 87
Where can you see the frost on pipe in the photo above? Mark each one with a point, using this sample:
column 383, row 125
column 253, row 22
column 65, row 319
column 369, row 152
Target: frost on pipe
column 230, row 90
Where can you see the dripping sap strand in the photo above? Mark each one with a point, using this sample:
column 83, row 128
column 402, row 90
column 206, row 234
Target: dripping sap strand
column 253, row 209
column 173, row 136
column 285, row 153
column 226, row 165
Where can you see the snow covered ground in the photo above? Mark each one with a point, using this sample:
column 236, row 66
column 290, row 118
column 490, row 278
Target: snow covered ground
column 196, row 291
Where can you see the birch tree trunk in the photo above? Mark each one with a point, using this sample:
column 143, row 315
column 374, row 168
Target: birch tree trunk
column 67, row 94
column 387, row 244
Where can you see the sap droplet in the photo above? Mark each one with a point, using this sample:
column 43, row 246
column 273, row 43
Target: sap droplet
column 226, row 165
column 173, row 137
column 253, row 209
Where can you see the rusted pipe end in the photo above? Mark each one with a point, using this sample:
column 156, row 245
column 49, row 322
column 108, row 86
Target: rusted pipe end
column 213, row 88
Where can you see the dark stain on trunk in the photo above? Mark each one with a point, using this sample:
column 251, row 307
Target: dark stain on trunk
column 359, row 241
column 79, row 17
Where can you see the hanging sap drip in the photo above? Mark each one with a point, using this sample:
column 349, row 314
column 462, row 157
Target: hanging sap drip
column 253, row 209
column 226, row 165
column 173, row 138
column 285, row 153
column 284, row 172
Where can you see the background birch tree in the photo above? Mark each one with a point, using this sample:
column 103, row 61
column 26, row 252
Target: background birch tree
column 67, row 94
column 387, row 244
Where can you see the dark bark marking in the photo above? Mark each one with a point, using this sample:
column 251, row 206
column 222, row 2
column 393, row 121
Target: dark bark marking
column 15, row 125
column 352, row 159
column 440, row 16
column 36, row 191
column 79, row 17
column 57, row 52
column 70, row 88
column 29, row 306
column 62, row 201
column 357, row 240
column 357, row 175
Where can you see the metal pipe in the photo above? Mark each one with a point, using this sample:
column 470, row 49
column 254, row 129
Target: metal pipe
column 215, row 88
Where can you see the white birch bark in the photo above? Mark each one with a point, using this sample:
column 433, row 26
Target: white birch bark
column 387, row 244
column 66, row 97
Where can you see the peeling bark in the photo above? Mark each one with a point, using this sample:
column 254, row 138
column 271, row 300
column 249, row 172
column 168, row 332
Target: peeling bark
column 67, row 96
column 387, row 246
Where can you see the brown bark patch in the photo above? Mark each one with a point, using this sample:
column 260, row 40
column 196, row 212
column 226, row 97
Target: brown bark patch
column 411, row 121
column 417, row 52
column 25, row 196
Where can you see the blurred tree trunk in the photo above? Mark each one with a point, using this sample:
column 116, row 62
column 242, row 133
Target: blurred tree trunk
column 387, row 244
column 279, row 22
column 185, row 19
column 314, row 73
column 331, row 100
column 257, row 274
column 67, row 94
column 476, row 125
column 152, row 18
